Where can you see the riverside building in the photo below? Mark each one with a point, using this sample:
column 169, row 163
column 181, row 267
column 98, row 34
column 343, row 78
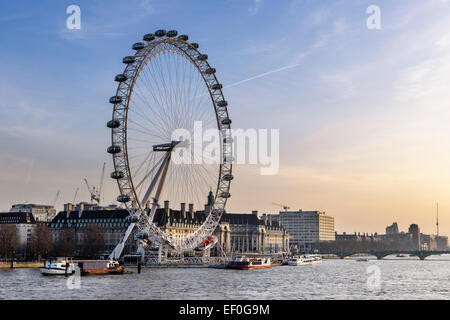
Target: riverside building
column 112, row 222
column 40, row 212
column 236, row 232
column 24, row 223
column 307, row 228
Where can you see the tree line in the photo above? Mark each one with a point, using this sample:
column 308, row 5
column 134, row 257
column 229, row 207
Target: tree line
column 87, row 243
column 365, row 245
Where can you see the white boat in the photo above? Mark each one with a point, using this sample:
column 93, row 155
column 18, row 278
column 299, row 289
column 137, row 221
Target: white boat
column 58, row 266
column 303, row 259
column 362, row 260
column 249, row 263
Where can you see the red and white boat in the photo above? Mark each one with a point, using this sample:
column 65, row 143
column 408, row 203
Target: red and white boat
column 244, row 263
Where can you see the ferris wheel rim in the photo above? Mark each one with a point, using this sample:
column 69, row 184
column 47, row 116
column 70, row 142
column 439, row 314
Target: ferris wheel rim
column 120, row 113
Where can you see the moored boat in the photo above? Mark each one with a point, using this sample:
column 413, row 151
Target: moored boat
column 302, row 260
column 58, row 266
column 362, row 260
column 100, row 267
column 244, row 263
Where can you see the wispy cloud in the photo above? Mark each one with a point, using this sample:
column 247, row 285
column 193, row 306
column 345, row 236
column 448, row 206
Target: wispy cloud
column 254, row 9
column 261, row 75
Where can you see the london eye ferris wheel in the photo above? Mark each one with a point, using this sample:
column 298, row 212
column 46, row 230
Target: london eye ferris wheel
column 168, row 85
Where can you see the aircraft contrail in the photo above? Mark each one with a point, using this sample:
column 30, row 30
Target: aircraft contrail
column 262, row 75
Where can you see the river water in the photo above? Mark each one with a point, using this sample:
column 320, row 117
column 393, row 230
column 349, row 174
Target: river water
column 395, row 278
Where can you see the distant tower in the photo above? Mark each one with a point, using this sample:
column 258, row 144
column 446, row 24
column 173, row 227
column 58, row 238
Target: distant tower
column 414, row 231
column 437, row 218
column 210, row 199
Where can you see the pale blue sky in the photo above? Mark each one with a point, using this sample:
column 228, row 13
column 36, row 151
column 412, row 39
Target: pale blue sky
column 363, row 114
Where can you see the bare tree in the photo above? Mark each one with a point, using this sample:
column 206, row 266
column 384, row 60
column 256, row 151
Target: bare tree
column 66, row 243
column 41, row 241
column 9, row 241
column 93, row 242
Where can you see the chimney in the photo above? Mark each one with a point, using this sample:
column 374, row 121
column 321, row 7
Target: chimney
column 191, row 210
column 68, row 207
column 255, row 212
column 183, row 210
column 166, row 208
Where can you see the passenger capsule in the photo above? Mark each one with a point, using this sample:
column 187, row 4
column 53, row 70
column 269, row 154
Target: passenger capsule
column 113, row 124
column 172, row 33
column 222, row 103
column 115, row 99
column 117, row 175
column 228, row 177
column 129, row 59
column 210, row 71
column 123, row 198
column 120, row 78
column 142, row 235
column 228, row 159
column 202, row 57
column 226, row 121
column 195, row 45
column 217, row 86
column 149, row 37
column 225, row 195
column 138, row 46
column 183, row 37
column 160, row 33
column 228, row 140
column 113, row 149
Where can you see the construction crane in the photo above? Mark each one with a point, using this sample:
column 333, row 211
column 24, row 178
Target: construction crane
column 96, row 192
column 101, row 182
column 286, row 208
column 75, row 196
column 56, row 198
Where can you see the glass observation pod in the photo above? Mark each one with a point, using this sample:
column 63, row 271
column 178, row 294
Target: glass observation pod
column 115, row 99
column 113, row 149
column 149, row 37
column 210, row 71
column 226, row 121
column 228, row 159
column 172, row 33
column 225, row 195
column 195, row 45
column 202, row 57
column 222, row 103
column 228, row 140
column 120, row 78
column 217, row 86
column 183, row 37
column 160, row 33
column 113, row 124
column 228, row 177
column 138, row 46
column 129, row 59
column 123, row 198
column 142, row 235
column 117, row 175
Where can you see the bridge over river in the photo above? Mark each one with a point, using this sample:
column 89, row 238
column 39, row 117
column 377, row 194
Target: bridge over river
column 422, row 254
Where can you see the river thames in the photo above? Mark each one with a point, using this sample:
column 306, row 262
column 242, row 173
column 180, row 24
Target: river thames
column 394, row 278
